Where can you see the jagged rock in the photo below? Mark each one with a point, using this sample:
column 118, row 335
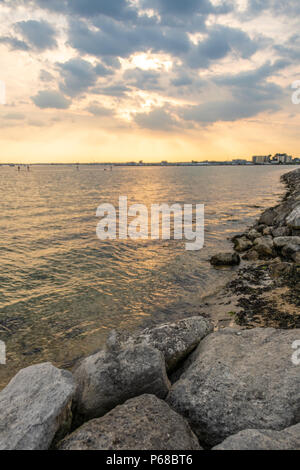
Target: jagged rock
column 253, row 234
column 240, row 380
column 279, row 269
column 242, row 244
column 289, row 250
column 175, row 340
column 142, row 423
column 293, row 220
column 109, row 378
column 268, row 217
column 36, row 408
column 296, row 257
column 280, row 242
column 260, row 227
column 225, row 259
column 255, row 439
column 267, row 231
column 281, row 232
column 251, row 255
column 264, row 247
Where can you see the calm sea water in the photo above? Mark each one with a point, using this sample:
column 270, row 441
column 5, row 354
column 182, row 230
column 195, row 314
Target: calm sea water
column 62, row 290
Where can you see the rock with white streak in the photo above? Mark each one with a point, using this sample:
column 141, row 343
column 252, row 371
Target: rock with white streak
column 175, row 340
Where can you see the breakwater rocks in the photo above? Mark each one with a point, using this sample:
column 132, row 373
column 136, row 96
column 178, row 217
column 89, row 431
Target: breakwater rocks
column 267, row 285
column 231, row 387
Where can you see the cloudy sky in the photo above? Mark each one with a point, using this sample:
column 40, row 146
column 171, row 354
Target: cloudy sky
column 117, row 80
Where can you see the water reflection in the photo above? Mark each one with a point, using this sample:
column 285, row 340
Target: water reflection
column 61, row 289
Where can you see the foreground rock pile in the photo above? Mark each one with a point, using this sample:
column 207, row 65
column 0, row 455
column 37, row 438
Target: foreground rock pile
column 240, row 387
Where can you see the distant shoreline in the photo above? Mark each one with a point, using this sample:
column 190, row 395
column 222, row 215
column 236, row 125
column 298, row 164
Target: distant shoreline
column 141, row 165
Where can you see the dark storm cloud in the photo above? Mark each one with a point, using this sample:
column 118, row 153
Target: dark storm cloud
column 39, row 34
column 51, row 99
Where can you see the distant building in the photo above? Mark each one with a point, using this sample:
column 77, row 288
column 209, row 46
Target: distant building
column 261, row 159
column 282, row 158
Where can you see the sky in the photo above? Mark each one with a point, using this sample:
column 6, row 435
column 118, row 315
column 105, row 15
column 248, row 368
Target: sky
column 152, row 80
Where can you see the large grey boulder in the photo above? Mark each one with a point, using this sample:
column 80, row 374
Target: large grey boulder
column 254, row 439
column 36, row 408
column 175, row 340
column 293, row 220
column 280, row 242
column 142, row 423
column 225, row 259
column 111, row 377
column 240, row 380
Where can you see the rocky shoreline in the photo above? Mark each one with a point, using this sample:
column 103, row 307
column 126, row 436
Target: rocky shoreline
column 182, row 385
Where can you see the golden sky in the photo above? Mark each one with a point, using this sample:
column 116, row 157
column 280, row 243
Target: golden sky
column 138, row 80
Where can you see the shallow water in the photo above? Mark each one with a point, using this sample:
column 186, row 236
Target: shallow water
column 61, row 289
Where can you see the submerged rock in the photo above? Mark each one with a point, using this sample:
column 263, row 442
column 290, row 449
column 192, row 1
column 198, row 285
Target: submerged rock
column 108, row 379
column 36, row 408
column 142, row 423
column 225, row 259
column 240, row 380
column 175, row 340
column 254, row 439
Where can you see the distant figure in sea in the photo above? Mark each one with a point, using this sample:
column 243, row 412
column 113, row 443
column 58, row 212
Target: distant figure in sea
column 28, row 169
column 19, row 168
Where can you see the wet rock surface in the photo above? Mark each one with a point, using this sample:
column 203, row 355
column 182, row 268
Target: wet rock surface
column 225, row 259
